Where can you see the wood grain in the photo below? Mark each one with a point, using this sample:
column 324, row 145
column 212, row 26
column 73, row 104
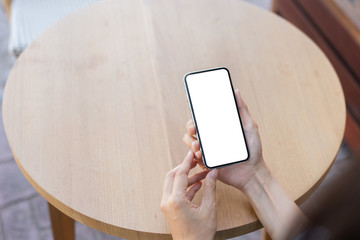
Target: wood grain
column 95, row 110
column 337, row 29
column 326, row 29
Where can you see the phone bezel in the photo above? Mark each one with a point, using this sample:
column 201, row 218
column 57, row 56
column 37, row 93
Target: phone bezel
column 194, row 117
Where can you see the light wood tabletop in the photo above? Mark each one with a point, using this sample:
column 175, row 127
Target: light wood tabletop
column 95, row 108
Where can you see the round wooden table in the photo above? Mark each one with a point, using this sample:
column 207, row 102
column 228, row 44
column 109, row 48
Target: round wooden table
column 95, row 108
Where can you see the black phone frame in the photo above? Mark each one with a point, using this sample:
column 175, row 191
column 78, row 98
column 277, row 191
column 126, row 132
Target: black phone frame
column 194, row 118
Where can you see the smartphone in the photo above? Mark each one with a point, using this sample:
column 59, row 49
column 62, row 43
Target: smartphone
column 216, row 117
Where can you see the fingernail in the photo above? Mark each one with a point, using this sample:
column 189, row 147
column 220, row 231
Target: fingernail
column 193, row 144
column 214, row 173
column 189, row 153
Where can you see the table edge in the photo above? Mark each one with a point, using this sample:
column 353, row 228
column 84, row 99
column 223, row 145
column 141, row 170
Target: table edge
column 80, row 217
column 135, row 234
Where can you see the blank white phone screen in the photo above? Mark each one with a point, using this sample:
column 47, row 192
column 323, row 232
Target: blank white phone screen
column 216, row 116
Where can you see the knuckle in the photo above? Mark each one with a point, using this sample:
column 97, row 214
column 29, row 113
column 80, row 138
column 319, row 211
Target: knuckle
column 169, row 174
column 163, row 206
column 188, row 122
column 185, row 137
column 246, row 107
column 211, row 185
column 180, row 172
column 175, row 203
column 253, row 124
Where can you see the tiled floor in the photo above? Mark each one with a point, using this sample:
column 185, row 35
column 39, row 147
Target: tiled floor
column 23, row 212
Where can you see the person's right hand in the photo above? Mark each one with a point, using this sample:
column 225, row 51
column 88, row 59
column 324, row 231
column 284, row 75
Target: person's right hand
column 240, row 174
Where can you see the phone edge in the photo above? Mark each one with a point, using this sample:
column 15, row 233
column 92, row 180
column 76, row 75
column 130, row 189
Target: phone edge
column 194, row 118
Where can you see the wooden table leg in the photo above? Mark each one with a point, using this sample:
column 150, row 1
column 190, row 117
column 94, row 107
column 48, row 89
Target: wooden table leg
column 63, row 227
column 274, row 5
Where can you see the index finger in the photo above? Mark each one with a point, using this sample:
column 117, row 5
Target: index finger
column 190, row 128
column 169, row 182
column 189, row 122
column 243, row 109
column 181, row 176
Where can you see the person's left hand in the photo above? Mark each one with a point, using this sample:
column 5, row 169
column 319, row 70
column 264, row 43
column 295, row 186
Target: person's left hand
column 187, row 220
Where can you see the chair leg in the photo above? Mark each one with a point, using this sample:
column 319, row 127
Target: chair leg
column 63, row 227
column 274, row 5
column 7, row 6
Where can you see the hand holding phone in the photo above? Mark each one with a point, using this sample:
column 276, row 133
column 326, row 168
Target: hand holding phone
column 271, row 203
column 235, row 175
column 216, row 117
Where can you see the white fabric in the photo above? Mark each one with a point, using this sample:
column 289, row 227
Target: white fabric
column 29, row 18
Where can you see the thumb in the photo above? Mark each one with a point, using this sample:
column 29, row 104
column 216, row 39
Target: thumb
column 243, row 109
column 209, row 195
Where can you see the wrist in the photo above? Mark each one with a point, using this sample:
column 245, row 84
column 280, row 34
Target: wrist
column 261, row 178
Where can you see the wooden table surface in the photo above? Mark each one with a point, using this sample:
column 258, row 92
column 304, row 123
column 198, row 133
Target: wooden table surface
column 95, row 108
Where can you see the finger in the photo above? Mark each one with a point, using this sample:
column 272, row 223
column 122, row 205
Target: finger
column 246, row 117
column 197, row 177
column 198, row 158
column 191, row 142
column 190, row 121
column 191, row 130
column 198, row 155
column 209, row 196
column 193, row 190
column 195, row 145
column 239, row 100
column 181, row 175
column 243, row 109
column 169, row 182
column 193, row 164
